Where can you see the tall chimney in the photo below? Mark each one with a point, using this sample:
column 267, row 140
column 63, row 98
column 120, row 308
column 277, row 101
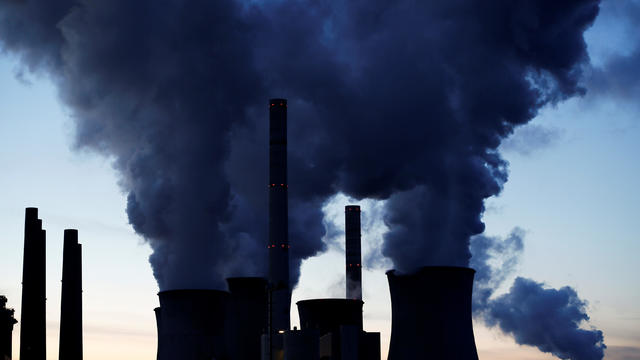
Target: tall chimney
column 353, row 252
column 33, row 317
column 71, row 302
column 6, row 329
column 279, row 291
column 431, row 314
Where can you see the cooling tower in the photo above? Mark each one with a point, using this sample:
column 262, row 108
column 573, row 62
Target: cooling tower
column 431, row 314
column 33, row 316
column 71, row 301
column 6, row 329
column 194, row 324
column 353, row 252
column 249, row 303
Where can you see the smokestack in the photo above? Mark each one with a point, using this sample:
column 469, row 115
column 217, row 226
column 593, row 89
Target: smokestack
column 71, row 301
column 33, row 317
column 431, row 314
column 193, row 324
column 6, row 329
column 249, row 303
column 353, row 252
column 279, row 291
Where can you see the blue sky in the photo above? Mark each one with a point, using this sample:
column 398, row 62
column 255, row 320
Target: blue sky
column 572, row 187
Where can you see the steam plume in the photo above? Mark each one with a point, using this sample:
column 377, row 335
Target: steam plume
column 406, row 101
column 535, row 315
column 616, row 76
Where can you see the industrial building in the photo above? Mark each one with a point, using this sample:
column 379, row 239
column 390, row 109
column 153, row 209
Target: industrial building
column 431, row 309
column 6, row 328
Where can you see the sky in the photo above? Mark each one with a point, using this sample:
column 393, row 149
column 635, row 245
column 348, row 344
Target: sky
column 571, row 189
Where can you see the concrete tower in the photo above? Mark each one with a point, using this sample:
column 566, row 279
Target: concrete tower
column 278, row 245
column 71, row 302
column 353, row 252
column 33, row 317
column 431, row 314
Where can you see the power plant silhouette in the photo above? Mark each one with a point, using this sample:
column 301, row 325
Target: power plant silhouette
column 431, row 307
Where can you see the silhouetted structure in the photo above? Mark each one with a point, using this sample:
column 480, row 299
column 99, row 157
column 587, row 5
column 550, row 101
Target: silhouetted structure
column 332, row 319
column 338, row 323
column 71, row 300
column 194, row 324
column 353, row 252
column 6, row 329
column 249, row 304
column 279, row 290
column 33, row 316
column 431, row 314
column 327, row 315
column 302, row 345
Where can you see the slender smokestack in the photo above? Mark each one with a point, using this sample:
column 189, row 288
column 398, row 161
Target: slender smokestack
column 33, row 317
column 6, row 329
column 279, row 291
column 71, row 302
column 353, row 252
column 431, row 314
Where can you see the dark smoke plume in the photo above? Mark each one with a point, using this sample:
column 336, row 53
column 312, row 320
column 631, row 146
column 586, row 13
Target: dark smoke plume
column 406, row 101
column 548, row 319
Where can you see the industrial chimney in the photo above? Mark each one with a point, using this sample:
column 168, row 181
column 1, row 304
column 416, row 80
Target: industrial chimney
column 71, row 301
column 353, row 252
column 278, row 246
column 431, row 314
column 33, row 317
column 6, row 329
column 194, row 324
